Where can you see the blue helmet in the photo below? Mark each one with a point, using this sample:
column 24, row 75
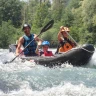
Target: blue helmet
column 45, row 43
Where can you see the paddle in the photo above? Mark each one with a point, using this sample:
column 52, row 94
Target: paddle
column 45, row 28
column 71, row 38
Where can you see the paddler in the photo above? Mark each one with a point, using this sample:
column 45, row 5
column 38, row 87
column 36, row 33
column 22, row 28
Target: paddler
column 65, row 43
column 44, row 52
column 25, row 40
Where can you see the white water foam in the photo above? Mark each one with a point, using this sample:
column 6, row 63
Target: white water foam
column 62, row 90
column 53, row 82
column 92, row 62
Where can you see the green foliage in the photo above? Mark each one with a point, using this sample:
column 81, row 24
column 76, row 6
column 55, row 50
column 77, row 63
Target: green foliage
column 11, row 10
column 7, row 34
column 41, row 14
column 88, row 12
column 57, row 10
column 74, row 32
column 78, row 15
column 67, row 18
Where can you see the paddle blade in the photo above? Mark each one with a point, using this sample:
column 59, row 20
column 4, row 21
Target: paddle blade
column 47, row 26
column 5, row 62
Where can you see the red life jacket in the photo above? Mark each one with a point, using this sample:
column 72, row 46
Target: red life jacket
column 48, row 53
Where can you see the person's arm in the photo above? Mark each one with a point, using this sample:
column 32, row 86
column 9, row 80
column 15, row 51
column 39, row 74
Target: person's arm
column 39, row 41
column 60, row 37
column 37, row 50
column 20, row 42
column 60, row 34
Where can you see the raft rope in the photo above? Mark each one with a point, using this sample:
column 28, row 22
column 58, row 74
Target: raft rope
column 77, row 43
column 87, row 50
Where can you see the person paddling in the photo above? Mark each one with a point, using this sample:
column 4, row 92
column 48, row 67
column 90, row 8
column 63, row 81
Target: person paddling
column 45, row 47
column 25, row 40
column 65, row 43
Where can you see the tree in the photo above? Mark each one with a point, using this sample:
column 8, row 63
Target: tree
column 88, row 13
column 57, row 10
column 89, row 16
column 11, row 10
column 41, row 14
column 8, row 34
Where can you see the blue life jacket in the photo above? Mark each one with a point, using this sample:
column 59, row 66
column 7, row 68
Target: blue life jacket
column 30, row 50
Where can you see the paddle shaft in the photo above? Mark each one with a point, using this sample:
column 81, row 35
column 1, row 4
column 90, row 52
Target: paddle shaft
column 71, row 38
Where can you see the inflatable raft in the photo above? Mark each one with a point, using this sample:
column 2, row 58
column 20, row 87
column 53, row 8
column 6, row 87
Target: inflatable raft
column 77, row 56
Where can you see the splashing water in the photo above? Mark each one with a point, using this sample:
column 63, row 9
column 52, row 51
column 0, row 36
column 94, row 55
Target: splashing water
column 28, row 79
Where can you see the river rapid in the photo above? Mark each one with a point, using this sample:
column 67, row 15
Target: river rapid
column 28, row 79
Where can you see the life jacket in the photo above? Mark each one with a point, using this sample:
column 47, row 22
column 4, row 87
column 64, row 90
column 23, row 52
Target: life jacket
column 48, row 53
column 65, row 45
column 30, row 50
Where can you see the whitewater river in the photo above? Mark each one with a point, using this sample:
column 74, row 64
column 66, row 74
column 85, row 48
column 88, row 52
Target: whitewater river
column 28, row 79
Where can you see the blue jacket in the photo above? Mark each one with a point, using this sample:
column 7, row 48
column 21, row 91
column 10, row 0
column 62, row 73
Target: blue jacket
column 30, row 50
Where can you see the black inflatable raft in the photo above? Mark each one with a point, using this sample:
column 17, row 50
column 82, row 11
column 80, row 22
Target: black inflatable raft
column 77, row 56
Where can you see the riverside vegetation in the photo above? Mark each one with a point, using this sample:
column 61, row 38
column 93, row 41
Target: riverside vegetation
column 78, row 15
